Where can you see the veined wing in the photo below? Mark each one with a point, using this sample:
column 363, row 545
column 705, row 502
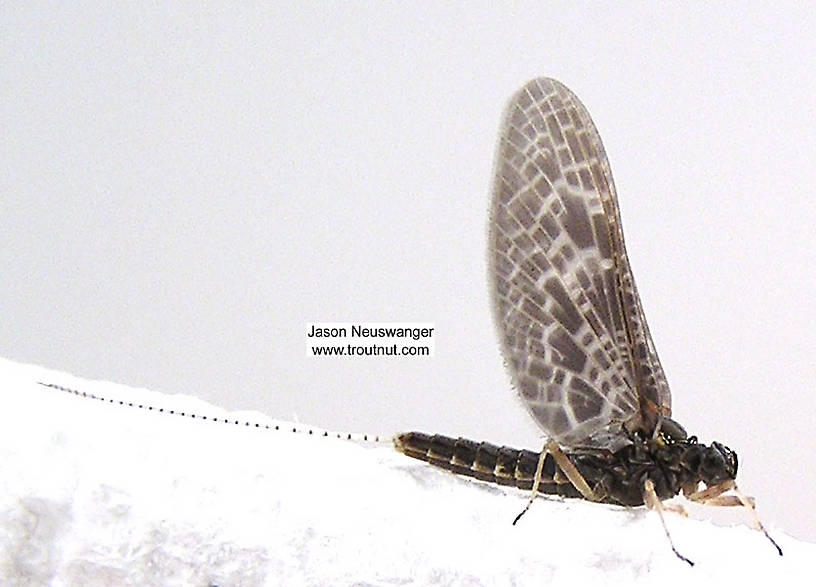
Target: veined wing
column 569, row 317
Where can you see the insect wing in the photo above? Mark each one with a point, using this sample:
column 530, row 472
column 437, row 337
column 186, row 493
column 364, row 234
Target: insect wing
column 570, row 321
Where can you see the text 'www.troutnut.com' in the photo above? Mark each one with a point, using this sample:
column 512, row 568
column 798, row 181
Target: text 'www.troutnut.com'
column 370, row 339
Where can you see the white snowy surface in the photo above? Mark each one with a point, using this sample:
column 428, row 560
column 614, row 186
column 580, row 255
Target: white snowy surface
column 97, row 493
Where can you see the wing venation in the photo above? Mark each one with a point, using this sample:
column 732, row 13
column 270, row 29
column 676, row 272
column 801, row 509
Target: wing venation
column 569, row 317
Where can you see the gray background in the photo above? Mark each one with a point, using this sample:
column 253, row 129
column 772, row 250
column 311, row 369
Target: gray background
column 182, row 190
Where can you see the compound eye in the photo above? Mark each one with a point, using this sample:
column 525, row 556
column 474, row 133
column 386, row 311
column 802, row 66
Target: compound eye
column 718, row 464
column 729, row 458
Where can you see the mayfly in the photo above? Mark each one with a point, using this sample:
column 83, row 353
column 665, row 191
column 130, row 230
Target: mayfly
column 573, row 333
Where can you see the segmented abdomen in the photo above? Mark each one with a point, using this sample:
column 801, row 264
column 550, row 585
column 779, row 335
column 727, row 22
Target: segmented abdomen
column 484, row 461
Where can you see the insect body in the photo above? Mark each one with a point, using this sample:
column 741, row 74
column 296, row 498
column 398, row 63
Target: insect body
column 572, row 329
column 613, row 477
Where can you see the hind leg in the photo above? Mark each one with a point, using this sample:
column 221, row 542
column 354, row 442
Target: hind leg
column 565, row 465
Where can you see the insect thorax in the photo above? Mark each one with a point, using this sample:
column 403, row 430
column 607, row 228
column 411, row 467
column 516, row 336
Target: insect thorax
column 670, row 459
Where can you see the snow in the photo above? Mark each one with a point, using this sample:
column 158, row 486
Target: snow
column 96, row 492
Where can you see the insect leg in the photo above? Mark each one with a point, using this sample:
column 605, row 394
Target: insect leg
column 710, row 493
column 723, row 501
column 749, row 505
column 676, row 508
column 572, row 473
column 562, row 462
column 714, row 496
column 653, row 502
column 536, row 481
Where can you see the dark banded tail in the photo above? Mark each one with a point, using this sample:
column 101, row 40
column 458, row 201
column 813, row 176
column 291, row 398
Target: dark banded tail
column 484, row 461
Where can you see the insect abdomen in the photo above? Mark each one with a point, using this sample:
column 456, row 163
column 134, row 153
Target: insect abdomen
column 484, row 461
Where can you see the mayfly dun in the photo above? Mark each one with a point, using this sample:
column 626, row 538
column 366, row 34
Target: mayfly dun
column 573, row 332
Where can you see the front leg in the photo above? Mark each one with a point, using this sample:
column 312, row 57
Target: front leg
column 709, row 493
column 714, row 496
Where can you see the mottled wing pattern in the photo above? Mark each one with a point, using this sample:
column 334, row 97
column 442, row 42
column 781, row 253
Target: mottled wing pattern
column 569, row 317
